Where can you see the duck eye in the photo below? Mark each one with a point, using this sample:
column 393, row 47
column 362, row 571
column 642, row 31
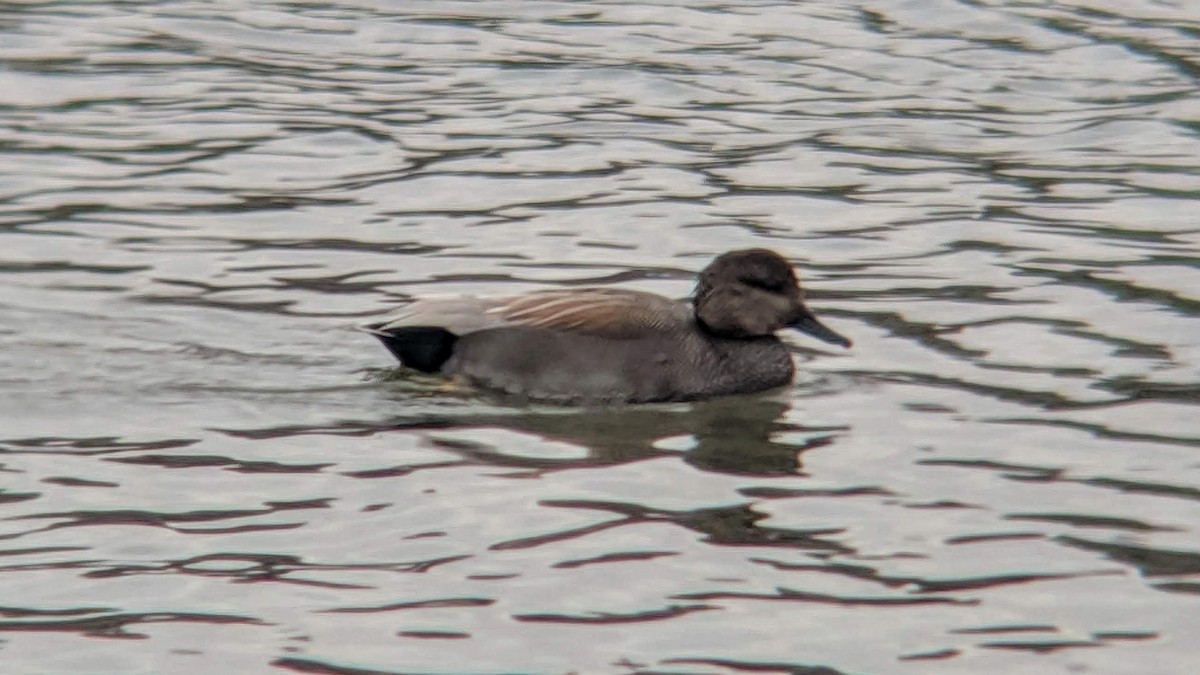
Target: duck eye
column 768, row 285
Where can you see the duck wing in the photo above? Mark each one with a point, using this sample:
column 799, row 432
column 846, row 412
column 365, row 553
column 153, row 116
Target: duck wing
column 604, row 312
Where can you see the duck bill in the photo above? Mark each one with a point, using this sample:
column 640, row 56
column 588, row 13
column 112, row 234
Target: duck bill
column 807, row 323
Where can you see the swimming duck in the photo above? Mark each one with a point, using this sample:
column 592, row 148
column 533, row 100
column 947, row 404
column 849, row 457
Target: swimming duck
column 606, row 345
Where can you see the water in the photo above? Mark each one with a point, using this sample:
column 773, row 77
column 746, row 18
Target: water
column 204, row 469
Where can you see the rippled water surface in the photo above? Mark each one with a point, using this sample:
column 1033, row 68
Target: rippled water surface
column 205, row 470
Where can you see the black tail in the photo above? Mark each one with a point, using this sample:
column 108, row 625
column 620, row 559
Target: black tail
column 424, row 348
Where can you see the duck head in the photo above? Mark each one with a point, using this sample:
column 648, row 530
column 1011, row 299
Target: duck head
column 753, row 293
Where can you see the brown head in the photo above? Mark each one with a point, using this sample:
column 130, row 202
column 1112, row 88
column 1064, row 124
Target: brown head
column 752, row 293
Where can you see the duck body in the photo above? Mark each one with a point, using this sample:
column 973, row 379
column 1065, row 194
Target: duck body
column 600, row 345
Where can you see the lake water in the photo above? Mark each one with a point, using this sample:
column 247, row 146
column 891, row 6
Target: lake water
column 204, row 469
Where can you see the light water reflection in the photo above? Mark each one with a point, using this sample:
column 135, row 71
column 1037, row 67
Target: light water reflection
column 995, row 200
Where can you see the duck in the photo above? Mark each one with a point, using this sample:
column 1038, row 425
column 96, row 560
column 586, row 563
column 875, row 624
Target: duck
column 611, row 345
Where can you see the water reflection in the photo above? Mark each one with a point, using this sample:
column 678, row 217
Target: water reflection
column 748, row 435
column 738, row 434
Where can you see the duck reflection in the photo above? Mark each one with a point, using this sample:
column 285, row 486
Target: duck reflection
column 747, row 435
column 738, row 434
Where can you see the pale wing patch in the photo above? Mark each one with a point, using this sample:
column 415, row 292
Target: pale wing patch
column 607, row 312
column 458, row 314
column 600, row 311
